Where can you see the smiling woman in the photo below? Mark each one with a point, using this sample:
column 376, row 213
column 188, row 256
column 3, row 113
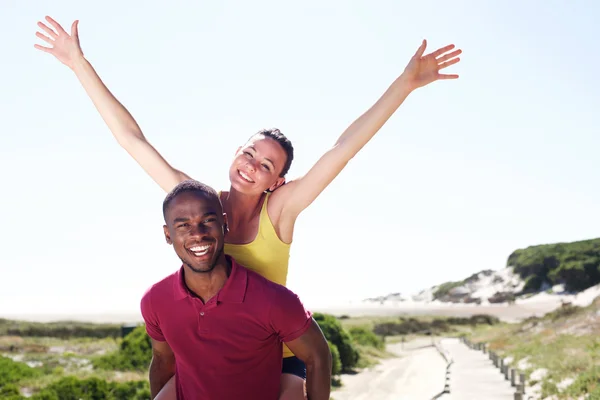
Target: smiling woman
column 267, row 155
column 261, row 207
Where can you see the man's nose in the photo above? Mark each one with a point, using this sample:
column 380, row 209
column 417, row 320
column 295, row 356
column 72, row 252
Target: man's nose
column 199, row 230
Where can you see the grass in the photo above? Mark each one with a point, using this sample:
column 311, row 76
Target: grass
column 62, row 357
column 566, row 343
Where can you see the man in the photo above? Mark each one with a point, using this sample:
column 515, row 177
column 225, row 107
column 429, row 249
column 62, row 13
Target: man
column 217, row 325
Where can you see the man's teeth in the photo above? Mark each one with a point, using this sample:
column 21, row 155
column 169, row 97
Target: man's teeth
column 200, row 250
column 246, row 177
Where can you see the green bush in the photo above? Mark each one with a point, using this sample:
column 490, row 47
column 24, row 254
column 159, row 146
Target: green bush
column 9, row 390
column 436, row 326
column 71, row 388
column 588, row 383
column 62, row 329
column 336, row 363
column 336, row 334
column 13, row 371
column 134, row 354
column 575, row 264
column 366, row 337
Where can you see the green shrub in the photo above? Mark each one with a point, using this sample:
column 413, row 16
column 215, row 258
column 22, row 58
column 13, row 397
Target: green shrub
column 62, row 329
column 71, row 388
column 13, row 371
column 436, row 326
column 134, row 354
column 9, row 390
column 336, row 363
column 588, row 383
column 575, row 264
column 336, row 334
column 445, row 288
column 366, row 337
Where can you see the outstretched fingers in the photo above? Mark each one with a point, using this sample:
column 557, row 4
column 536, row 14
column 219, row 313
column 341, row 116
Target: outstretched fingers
column 44, row 38
column 421, row 49
column 447, row 76
column 56, row 25
column 448, row 56
column 43, row 48
column 448, row 63
column 441, row 51
column 74, row 29
column 47, row 29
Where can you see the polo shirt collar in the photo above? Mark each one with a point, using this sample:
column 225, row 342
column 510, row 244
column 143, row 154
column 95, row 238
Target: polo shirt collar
column 234, row 290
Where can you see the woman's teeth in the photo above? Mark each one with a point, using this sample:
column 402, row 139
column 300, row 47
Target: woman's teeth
column 246, row 177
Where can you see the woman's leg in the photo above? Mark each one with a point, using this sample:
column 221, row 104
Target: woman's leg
column 168, row 392
column 293, row 379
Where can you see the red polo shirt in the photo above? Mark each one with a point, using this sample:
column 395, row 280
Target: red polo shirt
column 230, row 347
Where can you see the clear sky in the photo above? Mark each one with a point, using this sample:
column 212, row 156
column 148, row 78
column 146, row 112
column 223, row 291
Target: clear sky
column 463, row 174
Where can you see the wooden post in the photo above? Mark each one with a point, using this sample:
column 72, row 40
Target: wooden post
column 518, row 396
column 507, row 370
column 513, row 377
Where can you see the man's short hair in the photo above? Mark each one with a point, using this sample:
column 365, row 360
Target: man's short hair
column 189, row 186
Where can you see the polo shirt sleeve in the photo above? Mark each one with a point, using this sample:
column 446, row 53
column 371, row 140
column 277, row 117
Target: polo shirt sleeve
column 150, row 318
column 288, row 316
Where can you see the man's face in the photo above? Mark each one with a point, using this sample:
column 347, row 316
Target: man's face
column 195, row 226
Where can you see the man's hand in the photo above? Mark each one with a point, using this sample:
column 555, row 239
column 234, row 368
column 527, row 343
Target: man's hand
column 162, row 366
column 422, row 70
column 312, row 348
column 64, row 47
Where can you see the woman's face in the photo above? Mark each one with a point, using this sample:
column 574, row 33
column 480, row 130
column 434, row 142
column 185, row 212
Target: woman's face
column 257, row 166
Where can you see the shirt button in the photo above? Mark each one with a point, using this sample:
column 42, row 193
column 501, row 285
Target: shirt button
column 202, row 313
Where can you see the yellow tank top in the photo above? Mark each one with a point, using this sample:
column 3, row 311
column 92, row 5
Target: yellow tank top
column 266, row 254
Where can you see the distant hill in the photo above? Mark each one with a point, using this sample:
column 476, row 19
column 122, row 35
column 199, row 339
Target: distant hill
column 560, row 268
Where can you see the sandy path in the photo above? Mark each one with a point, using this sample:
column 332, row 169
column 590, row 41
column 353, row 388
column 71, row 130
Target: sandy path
column 473, row 376
column 417, row 373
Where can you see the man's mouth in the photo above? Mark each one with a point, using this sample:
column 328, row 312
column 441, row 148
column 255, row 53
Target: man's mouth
column 245, row 177
column 199, row 251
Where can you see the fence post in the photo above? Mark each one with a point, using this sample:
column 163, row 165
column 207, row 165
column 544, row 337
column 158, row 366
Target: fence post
column 520, row 388
column 518, row 396
column 513, row 375
column 522, row 381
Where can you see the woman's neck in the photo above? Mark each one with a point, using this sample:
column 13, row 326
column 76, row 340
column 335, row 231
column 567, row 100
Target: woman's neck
column 241, row 208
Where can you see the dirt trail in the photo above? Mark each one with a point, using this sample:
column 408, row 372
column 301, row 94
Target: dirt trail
column 417, row 373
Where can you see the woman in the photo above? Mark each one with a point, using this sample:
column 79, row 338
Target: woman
column 261, row 207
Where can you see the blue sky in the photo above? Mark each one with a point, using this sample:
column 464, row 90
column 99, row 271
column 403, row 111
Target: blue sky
column 464, row 173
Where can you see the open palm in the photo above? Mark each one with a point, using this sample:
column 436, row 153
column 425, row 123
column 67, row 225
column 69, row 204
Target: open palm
column 64, row 47
column 422, row 70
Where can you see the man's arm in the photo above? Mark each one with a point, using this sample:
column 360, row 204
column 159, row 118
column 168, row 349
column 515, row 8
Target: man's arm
column 312, row 348
column 121, row 123
column 296, row 327
column 162, row 366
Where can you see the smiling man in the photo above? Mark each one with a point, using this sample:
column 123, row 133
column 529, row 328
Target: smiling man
column 218, row 326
